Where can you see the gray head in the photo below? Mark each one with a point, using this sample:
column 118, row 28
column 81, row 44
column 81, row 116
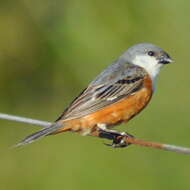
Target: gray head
column 148, row 56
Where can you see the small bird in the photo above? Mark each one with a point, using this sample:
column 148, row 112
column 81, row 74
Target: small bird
column 115, row 96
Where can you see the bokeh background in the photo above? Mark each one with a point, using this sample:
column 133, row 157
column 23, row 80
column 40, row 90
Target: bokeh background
column 49, row 51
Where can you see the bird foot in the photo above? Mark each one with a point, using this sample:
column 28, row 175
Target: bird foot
column 119, row 138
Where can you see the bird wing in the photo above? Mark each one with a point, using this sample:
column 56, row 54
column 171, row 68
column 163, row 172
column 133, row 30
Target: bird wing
column 114, row 83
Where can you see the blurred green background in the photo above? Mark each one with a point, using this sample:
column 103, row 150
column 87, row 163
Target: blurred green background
column 49, row 51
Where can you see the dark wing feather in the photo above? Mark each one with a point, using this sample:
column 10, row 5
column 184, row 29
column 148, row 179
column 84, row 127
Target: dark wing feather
column 101, row 93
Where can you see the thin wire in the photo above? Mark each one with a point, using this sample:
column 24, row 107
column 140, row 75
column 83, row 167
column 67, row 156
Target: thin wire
column 131, row 140
column 25, row 120
column 169, row 147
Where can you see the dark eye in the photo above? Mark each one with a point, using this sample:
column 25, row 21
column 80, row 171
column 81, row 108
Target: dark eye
column 151, row 53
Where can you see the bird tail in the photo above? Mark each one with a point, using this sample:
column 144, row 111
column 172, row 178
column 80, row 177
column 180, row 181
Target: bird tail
column 39, row 134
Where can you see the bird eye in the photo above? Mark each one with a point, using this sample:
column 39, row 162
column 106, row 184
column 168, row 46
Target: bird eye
column 151, row 53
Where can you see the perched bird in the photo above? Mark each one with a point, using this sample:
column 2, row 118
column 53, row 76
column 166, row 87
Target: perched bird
column 116, row 95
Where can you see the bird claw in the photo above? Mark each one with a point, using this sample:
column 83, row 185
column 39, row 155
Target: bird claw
column 120, row 140
column 118, row 145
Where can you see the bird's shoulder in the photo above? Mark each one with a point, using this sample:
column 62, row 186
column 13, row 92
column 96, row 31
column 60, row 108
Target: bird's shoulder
column 117, row 71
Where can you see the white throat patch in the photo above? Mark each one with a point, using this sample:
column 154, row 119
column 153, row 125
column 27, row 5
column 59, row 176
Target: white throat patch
column 150, row 64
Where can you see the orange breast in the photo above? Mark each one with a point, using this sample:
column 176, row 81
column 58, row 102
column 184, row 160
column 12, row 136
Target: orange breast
column 118, row 112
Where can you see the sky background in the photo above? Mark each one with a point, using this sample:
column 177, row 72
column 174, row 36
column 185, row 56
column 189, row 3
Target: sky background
column 49, row 52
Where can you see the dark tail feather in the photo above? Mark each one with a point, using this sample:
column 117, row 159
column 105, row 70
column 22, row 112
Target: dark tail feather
column 39, row 134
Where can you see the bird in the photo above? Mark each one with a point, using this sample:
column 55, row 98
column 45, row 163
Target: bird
column 116, row 95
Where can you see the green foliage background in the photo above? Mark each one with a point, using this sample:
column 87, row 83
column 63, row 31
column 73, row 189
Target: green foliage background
column 49, row 51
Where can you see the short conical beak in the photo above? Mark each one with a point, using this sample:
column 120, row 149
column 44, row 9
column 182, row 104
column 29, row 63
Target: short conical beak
column 165, row 59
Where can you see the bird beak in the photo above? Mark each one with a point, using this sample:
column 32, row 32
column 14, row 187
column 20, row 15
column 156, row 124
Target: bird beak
column 165, row 59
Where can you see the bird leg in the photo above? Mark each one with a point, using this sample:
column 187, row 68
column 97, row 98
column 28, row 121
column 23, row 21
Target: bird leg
column 119, row 138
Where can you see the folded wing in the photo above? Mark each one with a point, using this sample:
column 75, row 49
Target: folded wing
column 106, row 89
